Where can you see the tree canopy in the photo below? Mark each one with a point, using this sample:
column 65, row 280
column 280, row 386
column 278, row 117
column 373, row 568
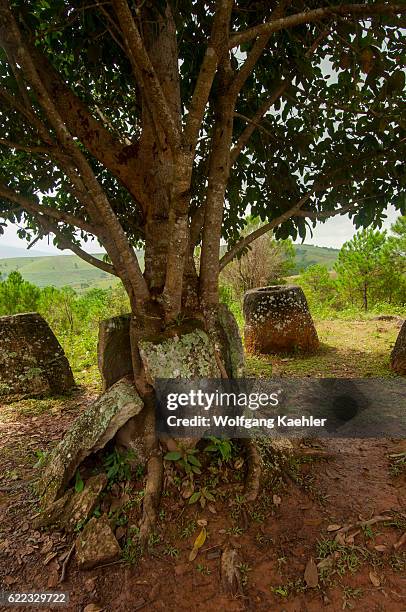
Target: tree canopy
column 163, row 123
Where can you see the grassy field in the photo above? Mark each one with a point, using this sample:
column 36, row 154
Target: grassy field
column 348, row 349
column 70, row 270
column 59, row 271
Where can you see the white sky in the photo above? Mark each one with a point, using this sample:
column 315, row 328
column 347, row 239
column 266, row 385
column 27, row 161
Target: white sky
column 333, row 233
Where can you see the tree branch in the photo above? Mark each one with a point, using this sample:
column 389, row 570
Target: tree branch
column 244, row 242
column 30, row 205
column 294, row 211
column 125, row 259
column 27, row 148
column 207, row 73
column 29, row 115
column 64, row 243
column 254, row 122
column 359, row 10
column 145, row 73
column 93, row 133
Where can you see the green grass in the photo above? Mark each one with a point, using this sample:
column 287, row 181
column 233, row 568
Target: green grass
column 348, row 349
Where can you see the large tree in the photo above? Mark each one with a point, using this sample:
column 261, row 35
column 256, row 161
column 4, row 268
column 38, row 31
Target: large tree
column 162, row 123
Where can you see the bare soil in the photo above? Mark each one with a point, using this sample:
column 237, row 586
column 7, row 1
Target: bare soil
column 305, row 499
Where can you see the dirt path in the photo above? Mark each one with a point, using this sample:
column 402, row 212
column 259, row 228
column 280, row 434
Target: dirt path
column 286, row 527
column 302, row 497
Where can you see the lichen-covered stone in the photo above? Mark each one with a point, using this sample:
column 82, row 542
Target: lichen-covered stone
column 398, row 355
column 31, row 359
column 277, row 320
column 188, row 356
column 90, row 432
column 96, row 544
column 232, row 348
column 114, row 349
column 74, row 508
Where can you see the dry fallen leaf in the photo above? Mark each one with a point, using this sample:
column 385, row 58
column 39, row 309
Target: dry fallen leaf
column 92, row 608
column 211, row 509
column 202, row 522
column 309, row 522
column 311, row 574
column 340, row 539
column 400, row 542
column 351, row 537
column 333, row 527
column 380, row 548
column 276, row 500
column 200, row 540
column 374, row 578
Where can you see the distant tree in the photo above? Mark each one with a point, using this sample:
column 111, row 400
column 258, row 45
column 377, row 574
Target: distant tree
column 57, row 306
column 394, row 260
column 318, row 285
column 18, row 295
column 265, row 262
column 361, row 266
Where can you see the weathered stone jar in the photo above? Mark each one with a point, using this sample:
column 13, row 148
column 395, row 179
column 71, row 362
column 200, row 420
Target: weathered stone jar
column 277, row 320
column 31, row 359
column 398, row 356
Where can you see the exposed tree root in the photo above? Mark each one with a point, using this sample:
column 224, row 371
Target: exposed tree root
column 252, row 482
column 152, row 495
column 66, row 562
column 153, row 487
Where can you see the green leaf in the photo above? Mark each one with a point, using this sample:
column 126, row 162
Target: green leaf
column 194, row 461
column 208, row 495
column 173, row 456
column 195, row 497
column 79, row 484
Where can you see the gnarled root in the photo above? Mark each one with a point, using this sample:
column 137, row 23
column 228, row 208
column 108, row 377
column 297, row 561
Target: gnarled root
column 153, row 487
column 152, row 495
column 252, row 482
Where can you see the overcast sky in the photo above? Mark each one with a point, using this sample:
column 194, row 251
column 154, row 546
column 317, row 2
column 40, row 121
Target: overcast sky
column 333, row 233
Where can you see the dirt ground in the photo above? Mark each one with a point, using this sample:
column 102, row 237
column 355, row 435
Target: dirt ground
column 340, row 508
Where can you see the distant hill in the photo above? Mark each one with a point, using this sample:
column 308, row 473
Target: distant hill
column 59, row 271
column 10, row 251
column 308, row 255
column 62, row 270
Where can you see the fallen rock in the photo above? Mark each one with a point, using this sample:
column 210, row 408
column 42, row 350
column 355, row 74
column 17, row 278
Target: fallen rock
column 74, row 508
column 114, row 350
column 31, row 359
column 96, row 544
column 277, row 320
column 90, row 432
column 398, row 355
